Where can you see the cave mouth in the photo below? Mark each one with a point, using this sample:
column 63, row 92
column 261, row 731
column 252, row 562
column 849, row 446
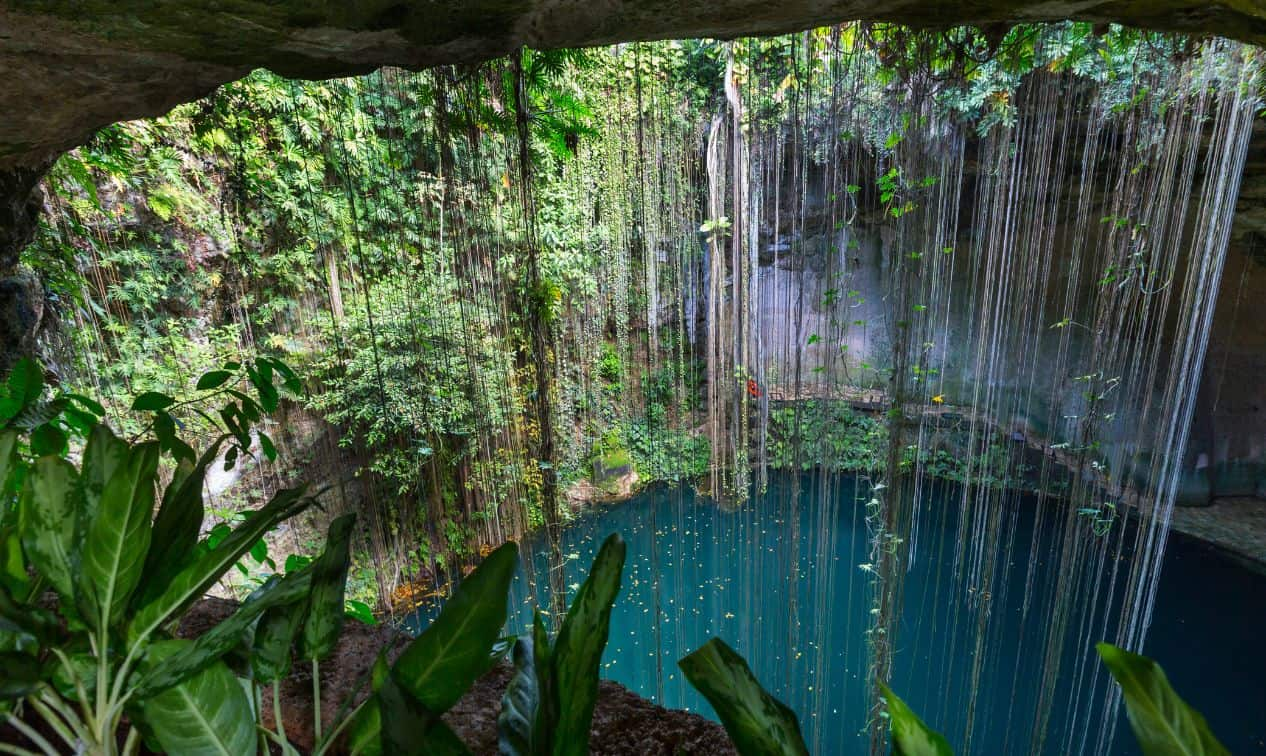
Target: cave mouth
column 900, row 336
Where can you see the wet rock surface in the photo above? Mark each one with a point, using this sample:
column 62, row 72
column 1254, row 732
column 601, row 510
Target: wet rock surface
column 1236, row 526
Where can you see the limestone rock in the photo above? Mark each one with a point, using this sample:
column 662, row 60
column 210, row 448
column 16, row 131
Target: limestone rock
column 71, row 68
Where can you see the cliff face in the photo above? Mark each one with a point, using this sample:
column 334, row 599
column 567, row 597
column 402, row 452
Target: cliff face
column 1225, row 455
column 71, row 68
column 21, row 301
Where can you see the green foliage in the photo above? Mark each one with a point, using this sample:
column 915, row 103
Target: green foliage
column 826, row 433
column 361, row 612
column 437, row 667
column 50, row 421
column 1163, row 723
column 833, row 436
column 117, row 540
column 90, row 532
column 610, row 367
column 759, row 724
column 87, row 531
column 661, row 452
column 910, row 736
column 324, row 620
column 271, row 657
column 756, row 722
column 548, row 706
column 208, row 713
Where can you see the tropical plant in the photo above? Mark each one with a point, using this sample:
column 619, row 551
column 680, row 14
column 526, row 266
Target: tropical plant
column 1164, row 724
column 548, row 705
column 402, row 715
column 123, row 576
column 102, row 671
column 313, row 623
column 755, row 720
column 910, row 736
column 758, row 723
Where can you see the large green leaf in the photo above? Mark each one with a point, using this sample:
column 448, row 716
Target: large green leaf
column 221, row 639
column 48, row 438
column 50, row 517
column 364, row 732
column 213, row 379
column 393, row 721
column 104, row 454
column 193, row 581
column 152, row 401
column 444, row 661
column 578, row 649
column 274, row 640
column 324, row 621
column 1163, row 723
column 37, row 414
column 119, row 536
column 13, row 574
column 524, row 726
column 178, row 523
column 8, row 455
column 208, row 714
column 409, row 728
column 757, row 722
column 24, row 386
column 910, row 736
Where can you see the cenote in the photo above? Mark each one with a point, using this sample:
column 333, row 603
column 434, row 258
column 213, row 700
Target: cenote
column 696, row 569
column 993, row 293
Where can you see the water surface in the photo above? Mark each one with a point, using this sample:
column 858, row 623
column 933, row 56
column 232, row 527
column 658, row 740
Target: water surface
column 696, row 569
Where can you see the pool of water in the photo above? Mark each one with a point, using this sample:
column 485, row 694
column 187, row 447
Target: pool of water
column 696, row 569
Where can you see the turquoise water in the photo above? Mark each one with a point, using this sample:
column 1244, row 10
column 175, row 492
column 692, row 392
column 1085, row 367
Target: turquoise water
column 725, row 573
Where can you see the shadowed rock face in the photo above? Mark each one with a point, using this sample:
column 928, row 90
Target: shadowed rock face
column 21, row 300
column 71, row 68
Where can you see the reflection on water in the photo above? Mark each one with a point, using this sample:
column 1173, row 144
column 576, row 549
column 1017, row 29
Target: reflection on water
column 728, row 573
